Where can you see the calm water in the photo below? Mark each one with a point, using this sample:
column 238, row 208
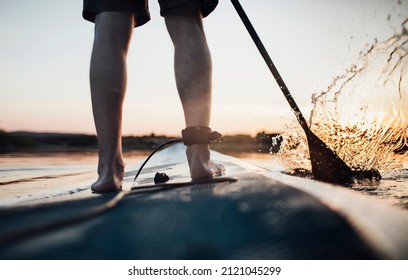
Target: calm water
column 23, row 174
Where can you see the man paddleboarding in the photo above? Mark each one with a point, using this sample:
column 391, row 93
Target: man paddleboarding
column 114, row 24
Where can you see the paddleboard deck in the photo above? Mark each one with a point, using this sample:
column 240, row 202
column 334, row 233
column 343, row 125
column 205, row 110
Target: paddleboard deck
column 243, row 215
column 184, row 181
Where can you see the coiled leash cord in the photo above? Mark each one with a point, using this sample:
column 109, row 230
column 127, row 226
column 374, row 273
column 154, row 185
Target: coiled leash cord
column 160, row 177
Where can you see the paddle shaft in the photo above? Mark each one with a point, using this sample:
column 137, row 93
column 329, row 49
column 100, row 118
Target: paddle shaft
column 270, row 64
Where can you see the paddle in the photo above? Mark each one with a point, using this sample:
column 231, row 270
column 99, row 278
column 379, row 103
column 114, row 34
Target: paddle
column 326, row 165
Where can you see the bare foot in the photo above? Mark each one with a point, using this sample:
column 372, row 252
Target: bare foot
column 201, row 165
column 110, row 178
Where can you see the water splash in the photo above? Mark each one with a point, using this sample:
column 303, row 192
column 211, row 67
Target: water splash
column 363, row 115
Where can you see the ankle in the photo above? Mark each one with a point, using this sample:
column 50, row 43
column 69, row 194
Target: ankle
column 198, row 150
column 115, row 166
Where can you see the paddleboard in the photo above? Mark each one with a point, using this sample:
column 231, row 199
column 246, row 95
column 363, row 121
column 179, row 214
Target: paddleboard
column 248, row 213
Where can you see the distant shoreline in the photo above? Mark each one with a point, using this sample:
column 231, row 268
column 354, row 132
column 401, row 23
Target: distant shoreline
column 26, row 141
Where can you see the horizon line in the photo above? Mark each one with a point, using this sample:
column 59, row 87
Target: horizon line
column 153, row 134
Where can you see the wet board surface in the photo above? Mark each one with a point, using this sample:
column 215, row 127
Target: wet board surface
column 250, row 217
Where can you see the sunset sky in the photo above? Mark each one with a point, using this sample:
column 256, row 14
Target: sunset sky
column 46, row 45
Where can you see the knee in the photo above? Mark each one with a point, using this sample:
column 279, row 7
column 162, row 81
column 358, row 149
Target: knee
column 183, row 26
column 113, row 30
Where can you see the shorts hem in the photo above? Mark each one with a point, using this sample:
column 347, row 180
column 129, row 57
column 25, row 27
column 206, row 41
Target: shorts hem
column 139, row 8
column 141, row 19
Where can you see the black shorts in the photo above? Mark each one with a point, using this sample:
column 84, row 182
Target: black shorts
column 141, row 8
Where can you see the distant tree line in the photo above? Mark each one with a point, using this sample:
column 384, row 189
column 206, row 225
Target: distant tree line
column 23, row 141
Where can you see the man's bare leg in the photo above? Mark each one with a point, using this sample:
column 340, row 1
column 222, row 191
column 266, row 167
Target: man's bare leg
column 113, row 31
column 192, row 64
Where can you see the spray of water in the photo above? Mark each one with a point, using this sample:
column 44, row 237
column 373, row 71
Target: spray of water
column 363, row 115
